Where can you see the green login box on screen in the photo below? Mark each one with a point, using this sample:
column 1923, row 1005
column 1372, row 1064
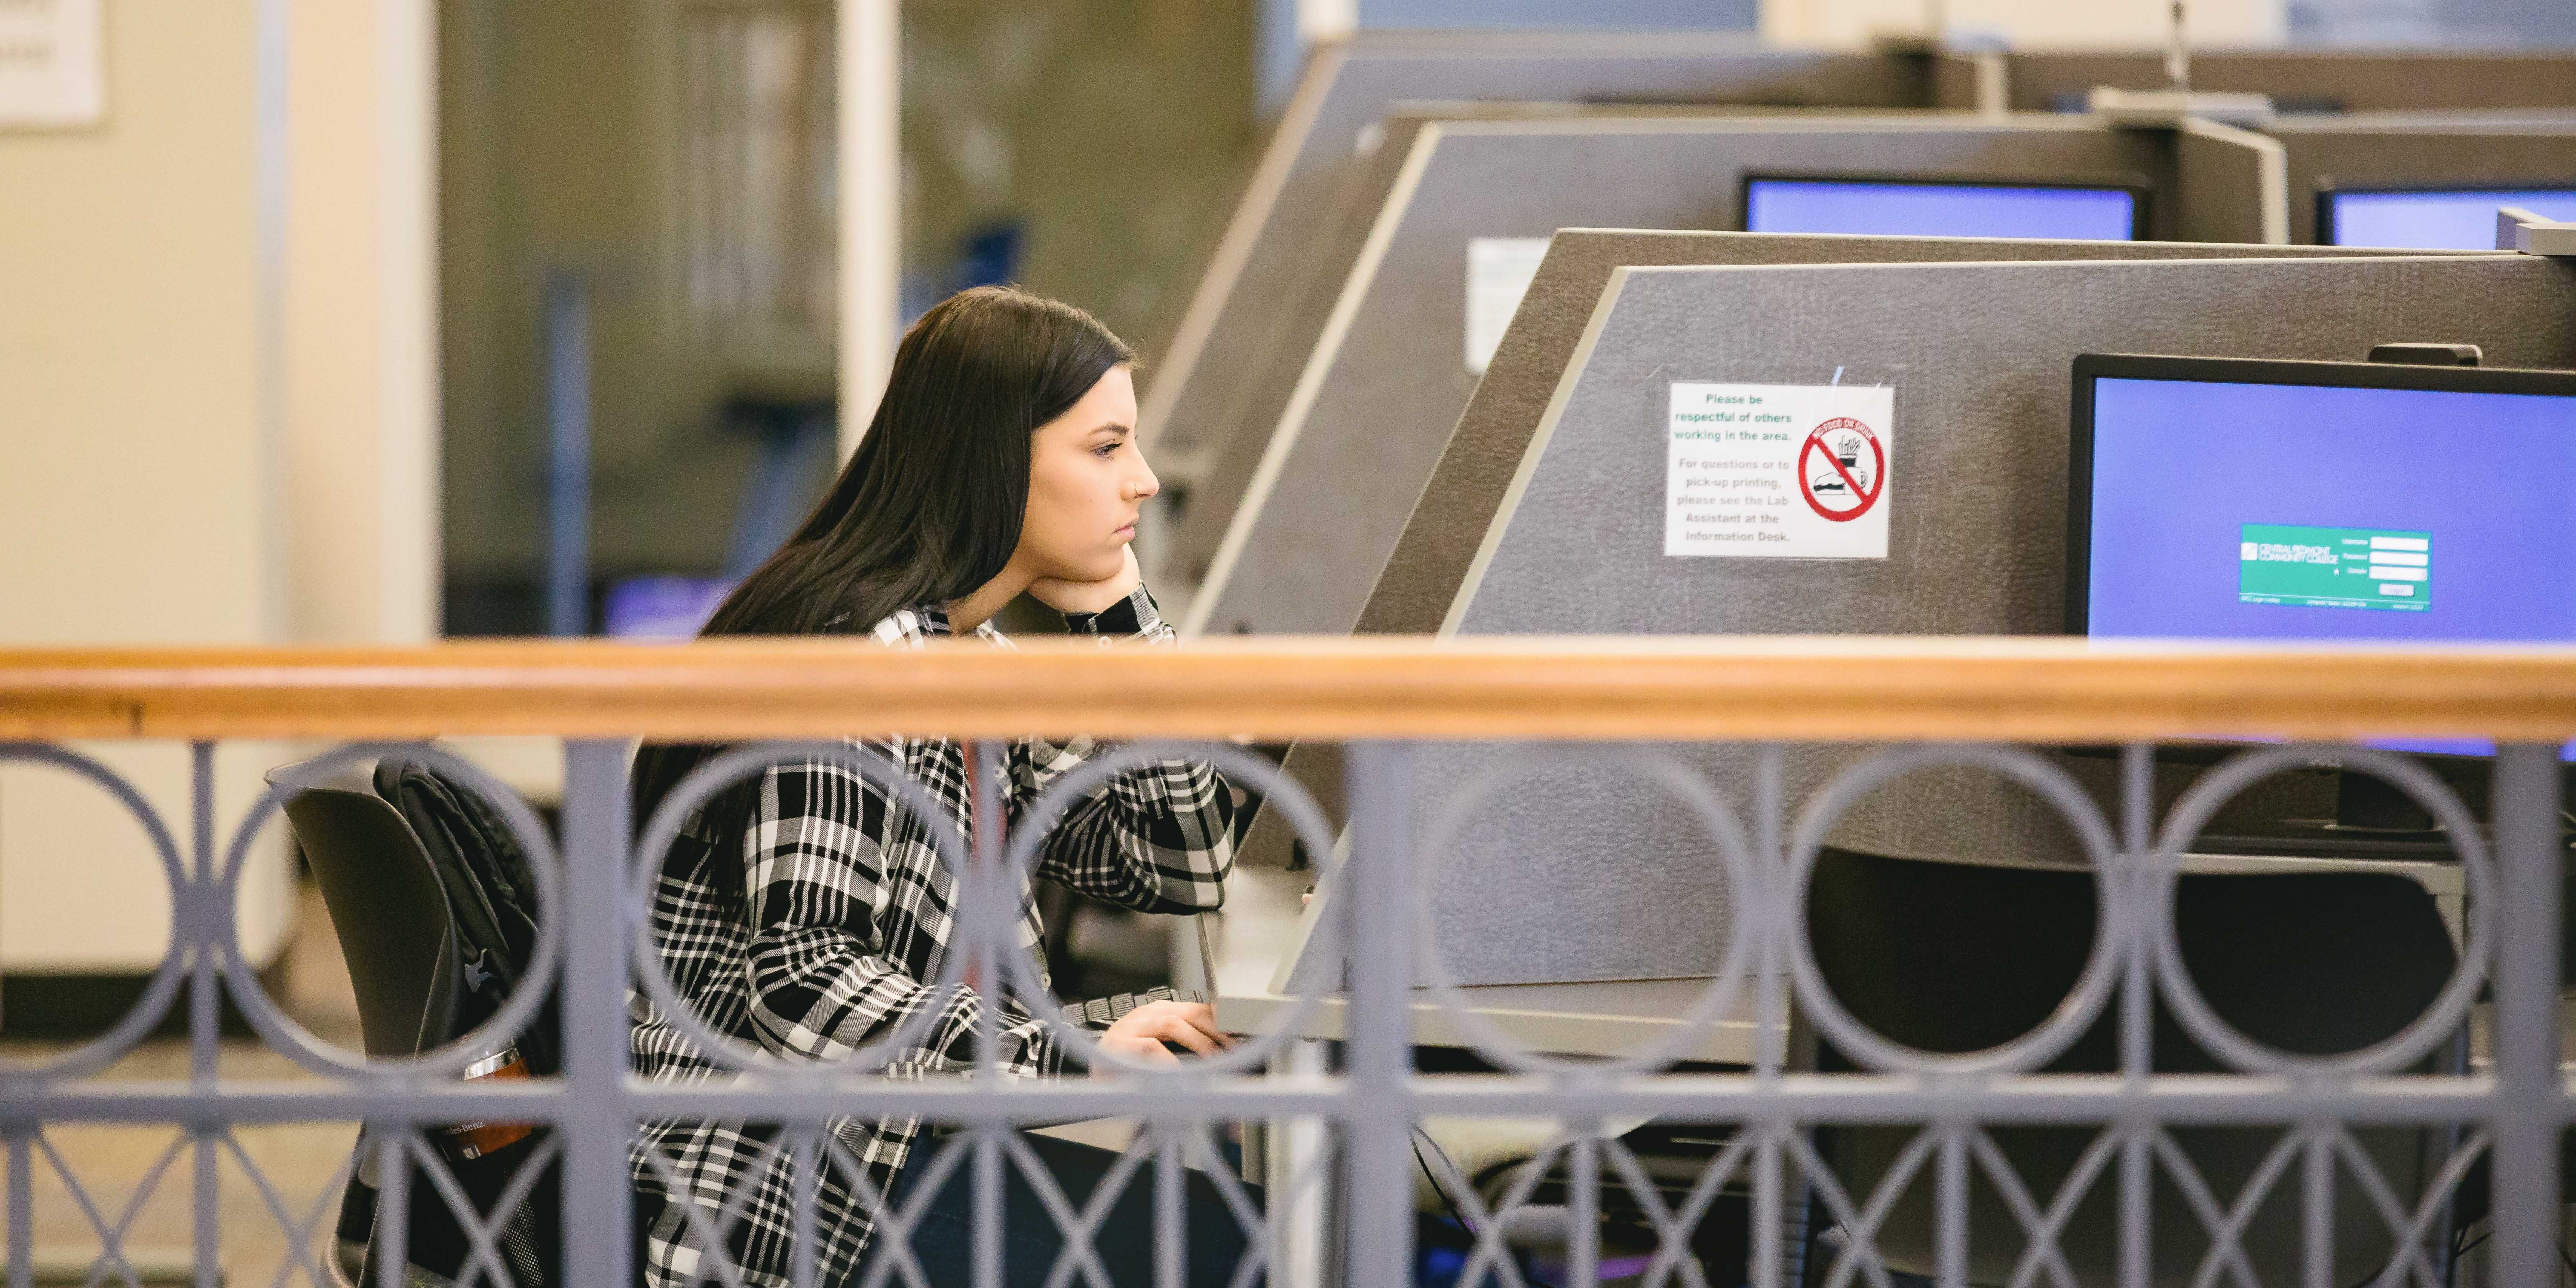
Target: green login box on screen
column 2282, row 563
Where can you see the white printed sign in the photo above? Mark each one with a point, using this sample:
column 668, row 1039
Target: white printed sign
column 1779, row 471
column 1499, row 270
column 51, row 67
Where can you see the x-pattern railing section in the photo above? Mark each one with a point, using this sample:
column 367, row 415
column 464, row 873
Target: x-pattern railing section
column 1987, row 1166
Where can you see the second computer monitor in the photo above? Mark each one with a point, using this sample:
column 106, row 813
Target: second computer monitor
column 2457, row 217
column 1880, row 205
column 2214, row 498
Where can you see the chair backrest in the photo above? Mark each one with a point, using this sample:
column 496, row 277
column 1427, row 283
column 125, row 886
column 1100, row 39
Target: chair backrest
column 387, row 908
column 1960, row 957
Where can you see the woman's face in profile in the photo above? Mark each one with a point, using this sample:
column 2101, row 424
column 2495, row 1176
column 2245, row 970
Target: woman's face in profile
column 1086, row 483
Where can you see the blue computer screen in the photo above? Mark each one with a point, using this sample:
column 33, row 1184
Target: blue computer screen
column 1937, row 209
column 2263, row 511
column 2456, row 219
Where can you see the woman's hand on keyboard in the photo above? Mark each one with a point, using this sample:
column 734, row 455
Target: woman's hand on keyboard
column 1140, row 1035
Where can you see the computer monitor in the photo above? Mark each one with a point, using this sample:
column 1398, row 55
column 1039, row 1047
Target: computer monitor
column 1882, row 205
column 2219, row 498
column 2450, row 217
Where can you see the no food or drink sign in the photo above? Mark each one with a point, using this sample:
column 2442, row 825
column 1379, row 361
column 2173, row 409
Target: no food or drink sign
column 1778, row 471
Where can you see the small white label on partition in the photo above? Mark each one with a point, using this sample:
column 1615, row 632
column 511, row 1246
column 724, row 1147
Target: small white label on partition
column 1499, row 270
column 52, row 70
column 1779, row 471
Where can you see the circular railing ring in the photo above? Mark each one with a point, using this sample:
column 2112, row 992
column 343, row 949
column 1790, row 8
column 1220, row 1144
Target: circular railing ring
column 2082, row 1004
column 1734, row 857
column 1306, row 820
column 721, row 773
column 289, row 1036
column 2450, row 1008
column 158, row 992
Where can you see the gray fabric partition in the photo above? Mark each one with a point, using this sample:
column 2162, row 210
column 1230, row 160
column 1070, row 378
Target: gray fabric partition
column 1413, row 593
column 1347, row 88
column 1272, row 525
column 2230, row 186
column 2420, row 148
column 1588, row 875
column 1969, row 82
column 2355, row 80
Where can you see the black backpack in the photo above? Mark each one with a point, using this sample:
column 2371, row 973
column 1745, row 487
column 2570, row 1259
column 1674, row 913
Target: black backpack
column 491, row 894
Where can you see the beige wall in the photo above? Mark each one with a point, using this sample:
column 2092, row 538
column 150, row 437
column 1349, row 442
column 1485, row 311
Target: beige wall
column 81, row 890
column 133, row 493
column 139, row 492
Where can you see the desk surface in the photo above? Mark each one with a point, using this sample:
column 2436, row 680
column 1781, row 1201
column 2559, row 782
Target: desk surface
column 1595, row 1019
column 1259, row 926
column 1610, row 1018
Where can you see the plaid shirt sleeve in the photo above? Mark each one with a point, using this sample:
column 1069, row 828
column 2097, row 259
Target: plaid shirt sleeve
column 1159, row 838
column 833, row 871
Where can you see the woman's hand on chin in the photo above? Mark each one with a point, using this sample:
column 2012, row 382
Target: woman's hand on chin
column 1089, row 596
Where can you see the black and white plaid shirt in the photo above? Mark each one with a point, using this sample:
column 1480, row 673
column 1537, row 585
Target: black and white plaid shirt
column 821, row 926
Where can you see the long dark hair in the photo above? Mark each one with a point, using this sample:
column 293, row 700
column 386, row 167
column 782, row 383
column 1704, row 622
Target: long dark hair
column 929, row 507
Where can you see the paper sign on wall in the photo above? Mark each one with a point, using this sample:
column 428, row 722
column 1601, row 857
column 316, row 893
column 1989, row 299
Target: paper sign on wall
column 1499, row 270
column 52, row 72
column 1779, row 471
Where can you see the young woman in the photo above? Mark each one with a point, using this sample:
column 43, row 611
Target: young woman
column 805, row 912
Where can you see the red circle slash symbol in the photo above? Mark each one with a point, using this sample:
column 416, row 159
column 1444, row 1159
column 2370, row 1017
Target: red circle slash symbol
column 1829, row 468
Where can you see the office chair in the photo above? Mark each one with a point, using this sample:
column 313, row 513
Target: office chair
column 398, row 933
column 1955, row 957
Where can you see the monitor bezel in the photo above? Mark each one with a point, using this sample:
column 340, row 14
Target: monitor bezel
column 2141, row 190
column 2092, row 367
column 2328, row 190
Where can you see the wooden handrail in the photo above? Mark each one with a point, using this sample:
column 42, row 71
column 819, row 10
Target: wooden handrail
column 1730, row 688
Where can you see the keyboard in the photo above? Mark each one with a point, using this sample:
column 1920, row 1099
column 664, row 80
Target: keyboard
column 1101, row 1012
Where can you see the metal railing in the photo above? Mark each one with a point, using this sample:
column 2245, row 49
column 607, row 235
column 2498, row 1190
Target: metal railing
column 1806, row 1213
